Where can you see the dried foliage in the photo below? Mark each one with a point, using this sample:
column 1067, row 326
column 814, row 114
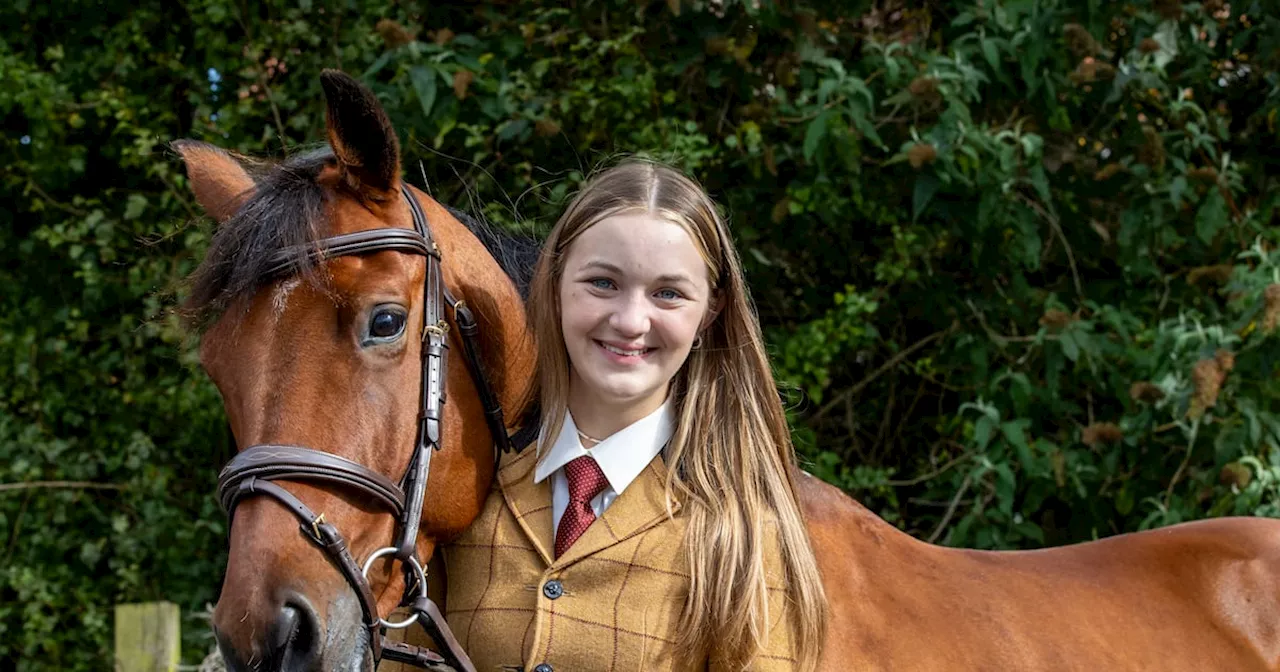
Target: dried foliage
column 1101, row 432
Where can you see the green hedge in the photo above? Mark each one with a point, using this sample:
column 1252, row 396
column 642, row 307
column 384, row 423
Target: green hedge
column 1016, row 260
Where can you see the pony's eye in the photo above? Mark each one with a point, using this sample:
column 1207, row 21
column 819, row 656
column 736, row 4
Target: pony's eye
column 386, row 323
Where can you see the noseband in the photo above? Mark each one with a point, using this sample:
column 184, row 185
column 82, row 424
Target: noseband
column 252, row 471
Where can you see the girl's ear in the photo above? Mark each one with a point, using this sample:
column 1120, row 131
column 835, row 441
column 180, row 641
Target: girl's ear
column 713, row 310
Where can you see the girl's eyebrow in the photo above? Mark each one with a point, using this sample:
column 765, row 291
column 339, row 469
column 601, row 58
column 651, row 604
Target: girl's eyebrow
column 602, row 265
column 610, row 268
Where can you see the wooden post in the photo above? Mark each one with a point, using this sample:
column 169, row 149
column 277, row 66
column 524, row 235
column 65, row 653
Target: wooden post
column 148, row 637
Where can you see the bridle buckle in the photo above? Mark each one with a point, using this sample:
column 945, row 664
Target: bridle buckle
column 440, row 329
column 315, row 525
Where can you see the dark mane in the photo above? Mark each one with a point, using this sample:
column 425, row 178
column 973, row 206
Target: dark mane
column 284, row 213
column 516, row 254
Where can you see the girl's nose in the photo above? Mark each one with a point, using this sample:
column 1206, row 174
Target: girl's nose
column 631, row 316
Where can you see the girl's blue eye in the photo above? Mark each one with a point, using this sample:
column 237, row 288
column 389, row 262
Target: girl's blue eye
column 668, row 294
column 601, row 283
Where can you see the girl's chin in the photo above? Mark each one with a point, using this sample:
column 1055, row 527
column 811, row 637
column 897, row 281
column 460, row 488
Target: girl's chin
column 620, row 392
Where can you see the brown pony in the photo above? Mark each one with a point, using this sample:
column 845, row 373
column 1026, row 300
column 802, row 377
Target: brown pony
column 289, row 360
column 305, row 360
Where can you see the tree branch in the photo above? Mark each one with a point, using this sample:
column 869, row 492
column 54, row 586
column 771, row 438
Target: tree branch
column 275, row 112
column 893, row 361
column 61, row 485
column 31, row 184
column 1177, row 475
column 937, row 472
column 951, row 509
column 994, row 335
column 1057, row 229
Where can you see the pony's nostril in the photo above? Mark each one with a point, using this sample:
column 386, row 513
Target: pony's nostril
column 295, row 636
column 286, row 626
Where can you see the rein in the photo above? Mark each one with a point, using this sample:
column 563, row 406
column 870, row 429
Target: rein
column 252, row 471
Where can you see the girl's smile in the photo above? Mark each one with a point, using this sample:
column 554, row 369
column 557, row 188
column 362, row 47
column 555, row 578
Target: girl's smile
column 623, row 354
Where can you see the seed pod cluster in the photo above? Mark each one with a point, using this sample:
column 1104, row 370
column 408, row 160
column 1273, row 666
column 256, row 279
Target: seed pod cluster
column 393, row 34
column 1056, row 320
column 1204, row 174
column 546, row 127
column 1101, row 432
column 1092, row 70
column 1271, row 309
column 1152, row 151
column 1235, row 474
column 921, row 154
column 1169, row 9
column 925, row 90
column 1080, row 41
column 1207, row 377
column 1145, row 392
column 1109, row 171
column 1218, row 274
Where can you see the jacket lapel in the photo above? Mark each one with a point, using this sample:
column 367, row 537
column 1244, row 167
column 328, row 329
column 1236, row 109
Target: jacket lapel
column 638, row 508
column 529, row 502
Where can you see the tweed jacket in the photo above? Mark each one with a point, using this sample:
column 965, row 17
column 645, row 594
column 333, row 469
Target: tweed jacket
column 611, row 602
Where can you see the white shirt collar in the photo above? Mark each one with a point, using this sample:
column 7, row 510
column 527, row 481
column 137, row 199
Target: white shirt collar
column 621, row 456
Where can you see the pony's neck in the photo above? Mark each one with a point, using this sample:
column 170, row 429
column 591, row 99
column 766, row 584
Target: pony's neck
column 473, row 275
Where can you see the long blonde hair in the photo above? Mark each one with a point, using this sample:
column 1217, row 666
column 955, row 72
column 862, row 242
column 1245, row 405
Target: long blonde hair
column 730, row 436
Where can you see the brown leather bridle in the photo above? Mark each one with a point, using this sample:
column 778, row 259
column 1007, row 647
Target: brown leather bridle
column 251, row 472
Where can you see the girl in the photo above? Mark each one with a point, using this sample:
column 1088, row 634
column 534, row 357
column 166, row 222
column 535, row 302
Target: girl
column 657, row 525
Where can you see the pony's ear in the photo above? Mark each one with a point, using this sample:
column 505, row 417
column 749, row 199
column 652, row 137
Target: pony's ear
column 220, row 183
column 361, row 135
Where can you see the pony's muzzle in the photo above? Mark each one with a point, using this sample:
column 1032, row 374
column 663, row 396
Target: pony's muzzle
column 293, row 642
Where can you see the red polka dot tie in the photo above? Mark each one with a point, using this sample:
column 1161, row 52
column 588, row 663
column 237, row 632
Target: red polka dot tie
column 586, row 480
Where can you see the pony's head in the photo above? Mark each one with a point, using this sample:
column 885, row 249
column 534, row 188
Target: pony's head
column 326, row 353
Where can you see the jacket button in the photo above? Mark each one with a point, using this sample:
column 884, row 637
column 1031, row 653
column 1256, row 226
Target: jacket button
column 552, row 589
column 543, row 668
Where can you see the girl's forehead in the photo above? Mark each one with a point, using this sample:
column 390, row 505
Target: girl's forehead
column 639, row 242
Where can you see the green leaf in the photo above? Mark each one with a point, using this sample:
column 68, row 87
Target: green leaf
column 1167, row 36
column 1177, row 188
column 1013, row 433
column 927, row 185
column 1030, row 530
column 512, row 129
column 1006, row 488
column 1069, row 346
column 1059, row 120
column 1211, row 217
column 859, row 87
column 1124, row 500
column 816, row 132
column 424, row 84
column 1040, row 181
column 863, row 124
column 136, row 204
column 825, row 89
column 992, row 54
column 377, row 66
column 982, row 430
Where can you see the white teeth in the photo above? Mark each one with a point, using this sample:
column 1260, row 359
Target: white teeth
column 624, row 353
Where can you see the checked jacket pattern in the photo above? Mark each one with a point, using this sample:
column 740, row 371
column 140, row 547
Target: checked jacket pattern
column 611, row 602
